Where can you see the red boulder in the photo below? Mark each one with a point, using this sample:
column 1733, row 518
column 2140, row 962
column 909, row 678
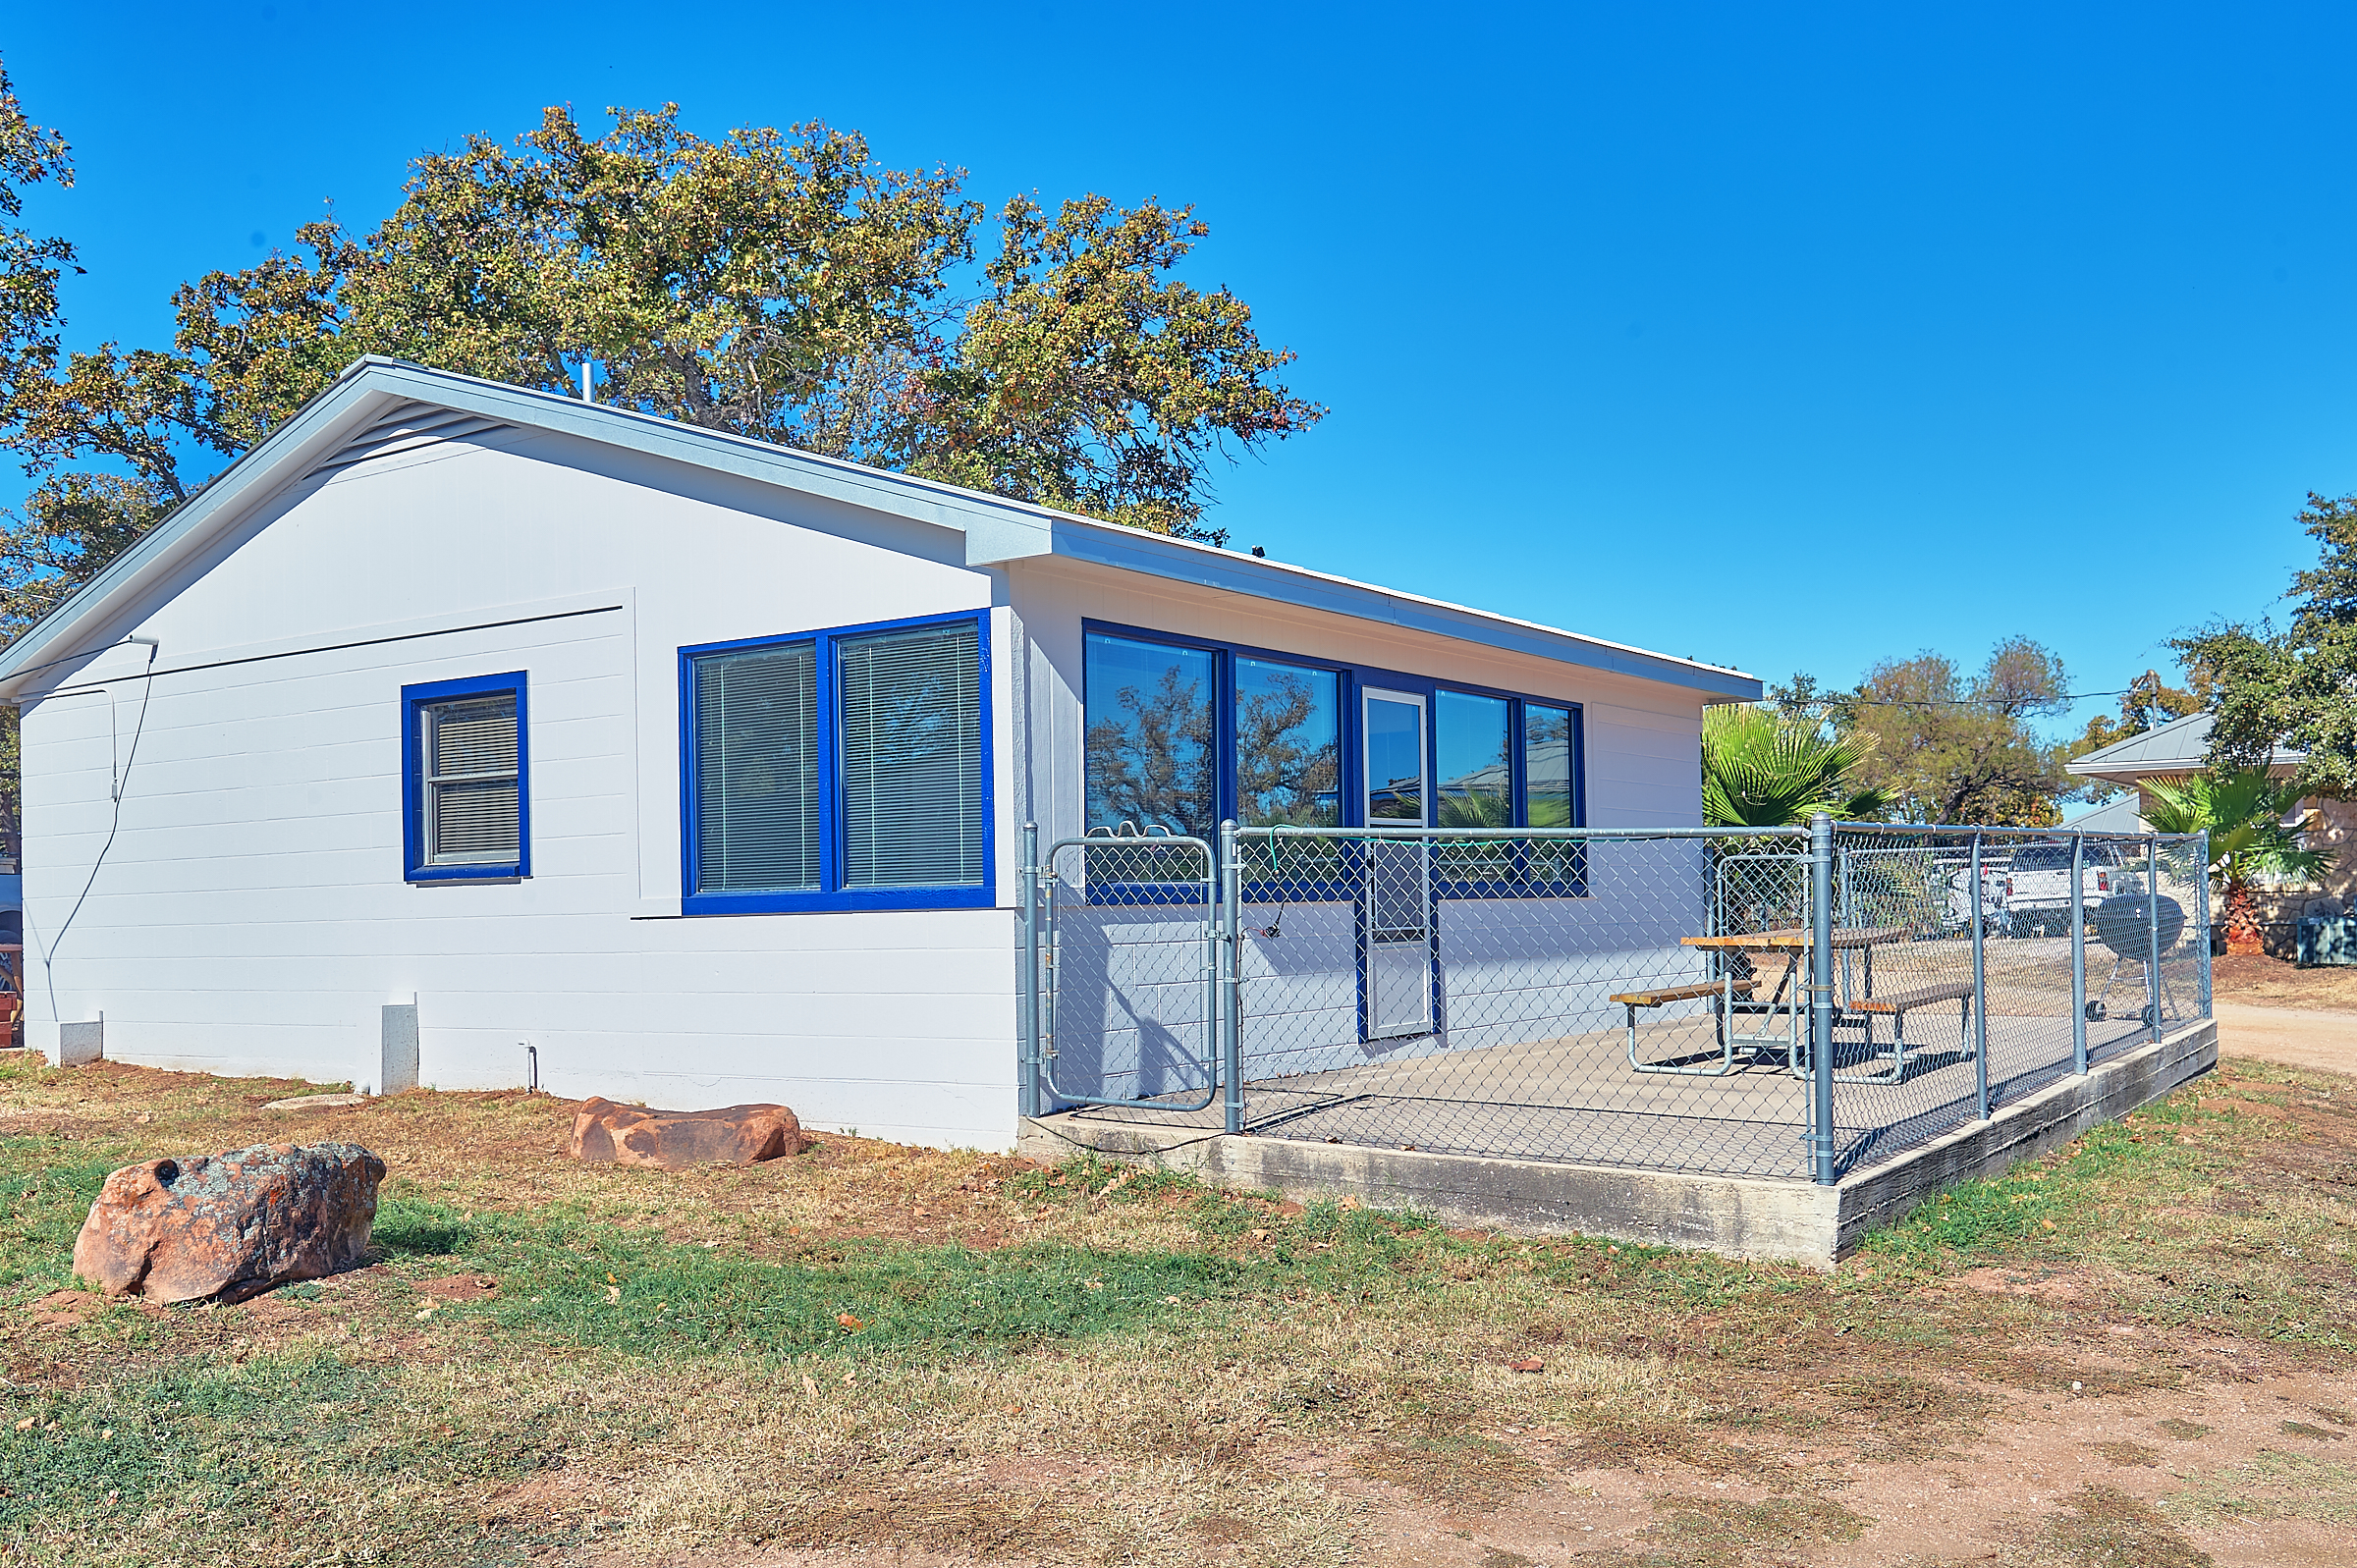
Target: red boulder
column 230, row 1225
column 605, row 1133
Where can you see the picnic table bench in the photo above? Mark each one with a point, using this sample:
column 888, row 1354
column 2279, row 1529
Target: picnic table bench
column 1726, row 987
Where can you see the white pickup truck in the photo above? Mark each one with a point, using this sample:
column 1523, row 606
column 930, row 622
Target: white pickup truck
column 2028, row 894
column 2036, row 890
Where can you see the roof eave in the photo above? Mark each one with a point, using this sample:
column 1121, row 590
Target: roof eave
column 996, row 530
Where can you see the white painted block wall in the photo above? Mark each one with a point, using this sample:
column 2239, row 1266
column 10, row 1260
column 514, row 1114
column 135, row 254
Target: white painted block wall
column 250, row 915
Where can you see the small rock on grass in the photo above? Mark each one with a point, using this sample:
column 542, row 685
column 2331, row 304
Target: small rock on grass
column 606, row 1133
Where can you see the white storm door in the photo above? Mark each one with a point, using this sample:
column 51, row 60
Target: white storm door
column 1397, row 911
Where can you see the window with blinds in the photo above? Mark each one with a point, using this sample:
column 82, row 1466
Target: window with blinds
column 838, row 770
column 468, row 815
column 756, row 769
column 911, row 738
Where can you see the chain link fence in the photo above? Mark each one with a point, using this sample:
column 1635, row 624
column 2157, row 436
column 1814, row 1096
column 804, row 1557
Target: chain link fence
column 1627, row 997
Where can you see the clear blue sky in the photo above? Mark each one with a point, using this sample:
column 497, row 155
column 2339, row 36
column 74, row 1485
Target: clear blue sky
column 1785, row 336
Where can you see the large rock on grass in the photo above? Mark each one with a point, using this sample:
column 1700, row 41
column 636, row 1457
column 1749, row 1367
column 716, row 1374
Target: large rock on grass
column 228, row 1226
column 605, row 1133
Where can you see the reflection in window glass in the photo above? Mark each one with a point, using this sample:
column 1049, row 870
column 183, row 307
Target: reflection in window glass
column 1288, row 745
column 1547, row 765
column 1476, row 784
column 1395, row 761
column 1150, row 757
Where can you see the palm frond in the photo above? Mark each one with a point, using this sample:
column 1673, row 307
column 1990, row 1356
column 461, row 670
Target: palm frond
column 1762, row 769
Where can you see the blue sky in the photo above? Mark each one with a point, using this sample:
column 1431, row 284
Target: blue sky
column 1788, row 337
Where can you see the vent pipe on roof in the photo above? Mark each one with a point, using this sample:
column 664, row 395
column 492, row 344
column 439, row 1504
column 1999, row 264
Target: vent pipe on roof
column 589, row 395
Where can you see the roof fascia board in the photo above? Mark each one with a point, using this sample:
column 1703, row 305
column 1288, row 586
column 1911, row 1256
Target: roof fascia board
column 1127, row 550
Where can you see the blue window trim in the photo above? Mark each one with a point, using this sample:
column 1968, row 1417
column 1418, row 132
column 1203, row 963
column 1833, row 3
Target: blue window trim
column 413, row 779
column 1353, row 680
column 831, row 894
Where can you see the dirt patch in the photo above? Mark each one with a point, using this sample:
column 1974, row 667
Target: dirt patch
column 2256, row 980
column 1461, row 1470
column 2128, row 1455
column 65, row 1309
column 458, row 1287
column 2045, row 1285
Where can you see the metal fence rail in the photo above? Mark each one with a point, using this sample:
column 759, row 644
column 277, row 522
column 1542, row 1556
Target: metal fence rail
column 1787, row 1002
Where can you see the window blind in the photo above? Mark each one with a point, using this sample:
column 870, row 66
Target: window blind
column 473, row 814
column 911, row 730
column 756, row 769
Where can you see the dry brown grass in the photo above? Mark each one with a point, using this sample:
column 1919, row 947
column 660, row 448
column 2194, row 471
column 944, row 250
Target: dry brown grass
column 1355, row 1378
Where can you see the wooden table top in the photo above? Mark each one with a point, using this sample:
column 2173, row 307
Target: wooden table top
column 1793, row 939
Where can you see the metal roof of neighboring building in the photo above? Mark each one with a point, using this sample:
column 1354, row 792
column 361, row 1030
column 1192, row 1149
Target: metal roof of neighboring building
column 2162, row 751
column 2118, row 815
column 996, row 530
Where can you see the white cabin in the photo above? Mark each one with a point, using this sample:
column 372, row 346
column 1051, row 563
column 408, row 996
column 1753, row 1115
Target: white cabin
column 688, row 770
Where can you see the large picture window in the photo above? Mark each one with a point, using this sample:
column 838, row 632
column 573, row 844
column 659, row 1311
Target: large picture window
column 1289, row 745
column 1181, row 733
column 466, row 809
column 837, row 770
column 1151, row 756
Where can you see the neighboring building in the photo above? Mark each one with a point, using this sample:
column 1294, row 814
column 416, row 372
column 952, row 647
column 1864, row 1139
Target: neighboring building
column 2174, row 751
column 698, row 764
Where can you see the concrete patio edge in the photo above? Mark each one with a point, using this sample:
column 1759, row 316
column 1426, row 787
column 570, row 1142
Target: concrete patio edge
column 1786, row 1220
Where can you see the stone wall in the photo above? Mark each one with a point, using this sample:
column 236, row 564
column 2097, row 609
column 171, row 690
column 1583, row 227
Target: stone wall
column 2332, row 824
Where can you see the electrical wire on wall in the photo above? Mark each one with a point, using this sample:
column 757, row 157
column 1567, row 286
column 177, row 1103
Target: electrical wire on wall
column 122, row 778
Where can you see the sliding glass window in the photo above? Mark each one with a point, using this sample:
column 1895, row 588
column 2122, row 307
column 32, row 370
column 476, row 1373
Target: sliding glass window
column 756, row 769
column 838, row 770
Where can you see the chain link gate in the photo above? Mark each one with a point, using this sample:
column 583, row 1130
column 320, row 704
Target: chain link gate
column 1122, row 939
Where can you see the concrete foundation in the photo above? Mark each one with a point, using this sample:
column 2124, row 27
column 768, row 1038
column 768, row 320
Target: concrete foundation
column 1740, row 1216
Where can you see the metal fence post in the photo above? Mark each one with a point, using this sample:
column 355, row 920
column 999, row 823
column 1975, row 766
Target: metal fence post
column 2152, row 925
column 1821, row 996
column 1030, row 1002
column 2201, row 882
column 1231, row 1021
column 1980, row 992
column 2078, row 953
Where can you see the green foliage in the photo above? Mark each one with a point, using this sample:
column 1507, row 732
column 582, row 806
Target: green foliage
column 2147, row 704
column 1089, row 379
column 2292, row 688
column 780, row 285
column 1949, row 747
column 1761, row 769
column 2243, row 813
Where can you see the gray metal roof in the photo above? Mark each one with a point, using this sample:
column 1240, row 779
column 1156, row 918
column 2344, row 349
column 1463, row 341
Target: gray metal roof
column 2118, row 816
column 2174, row 747
column 996, row 530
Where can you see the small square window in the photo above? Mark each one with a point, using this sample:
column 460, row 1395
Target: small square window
column 468, row 810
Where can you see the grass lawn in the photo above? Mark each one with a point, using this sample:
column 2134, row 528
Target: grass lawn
column 2138, row 1352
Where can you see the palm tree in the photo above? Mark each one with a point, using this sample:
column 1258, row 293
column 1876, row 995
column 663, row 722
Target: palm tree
column 1763, row 769
column 2243, row 812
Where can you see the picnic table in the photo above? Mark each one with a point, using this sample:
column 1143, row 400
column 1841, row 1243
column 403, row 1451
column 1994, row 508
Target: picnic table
column 1856, row 1010
column 1793, row 942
